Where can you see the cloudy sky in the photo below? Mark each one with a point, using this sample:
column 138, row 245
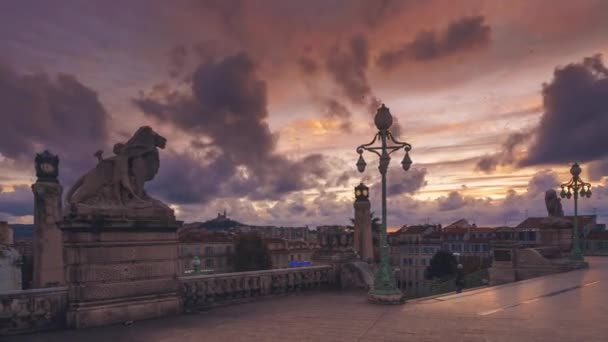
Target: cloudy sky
column 264, row 102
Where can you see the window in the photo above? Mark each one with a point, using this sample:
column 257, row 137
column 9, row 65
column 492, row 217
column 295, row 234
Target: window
column 466, row 247
column 228, row 249
column 208, row 250
column 209, row 263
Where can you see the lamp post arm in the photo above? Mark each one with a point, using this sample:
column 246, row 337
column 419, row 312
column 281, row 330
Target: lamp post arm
column 402, row 144
column 366, row 147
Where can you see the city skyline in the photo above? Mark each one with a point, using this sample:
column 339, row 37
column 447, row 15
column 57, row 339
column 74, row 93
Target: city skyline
column 263, row 106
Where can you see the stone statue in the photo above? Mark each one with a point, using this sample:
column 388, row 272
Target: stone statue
column 554, row 204
column 116, row 184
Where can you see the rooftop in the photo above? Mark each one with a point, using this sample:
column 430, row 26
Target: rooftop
column 531, row 310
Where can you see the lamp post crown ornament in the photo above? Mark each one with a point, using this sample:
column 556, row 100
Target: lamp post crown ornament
column 383, row 118
column 575, row 170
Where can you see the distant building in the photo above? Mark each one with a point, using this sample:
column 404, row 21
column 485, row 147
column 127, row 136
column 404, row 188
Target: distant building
column 214, row 250
column 468, row 241
column 283, row 251
column 10, row 260
column 411, row 250
column 288, row 233
column 413, row 247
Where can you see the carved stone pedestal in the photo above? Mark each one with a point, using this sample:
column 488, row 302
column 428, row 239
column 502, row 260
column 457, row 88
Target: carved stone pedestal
column 120, row 271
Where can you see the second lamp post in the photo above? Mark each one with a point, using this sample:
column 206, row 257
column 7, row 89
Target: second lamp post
column 384, row 290
column 576, row 186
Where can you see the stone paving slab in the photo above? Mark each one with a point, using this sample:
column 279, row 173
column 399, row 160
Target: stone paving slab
column 565, row 307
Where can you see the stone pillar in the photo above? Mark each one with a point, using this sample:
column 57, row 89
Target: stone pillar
column 6, row 234
column 47, row 242
column 363, row 224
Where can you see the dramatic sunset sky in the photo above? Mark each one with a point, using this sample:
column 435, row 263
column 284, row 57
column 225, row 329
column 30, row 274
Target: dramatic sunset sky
column 263, row 102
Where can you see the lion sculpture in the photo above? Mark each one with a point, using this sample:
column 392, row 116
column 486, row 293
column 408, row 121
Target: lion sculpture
column 553, row 203
column 118, row 181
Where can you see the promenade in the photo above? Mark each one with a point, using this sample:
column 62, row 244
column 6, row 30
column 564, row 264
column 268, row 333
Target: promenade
column 570, row 306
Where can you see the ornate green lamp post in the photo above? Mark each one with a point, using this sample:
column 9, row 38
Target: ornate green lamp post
column 384, row 290
column 575, row 186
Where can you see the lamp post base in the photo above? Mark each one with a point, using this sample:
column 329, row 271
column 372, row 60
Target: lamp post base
column 396, row 298
column 384, row 290
column 576, row 258
column 577, row 264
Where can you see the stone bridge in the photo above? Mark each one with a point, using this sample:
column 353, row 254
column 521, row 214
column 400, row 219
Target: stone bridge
column 568, row 306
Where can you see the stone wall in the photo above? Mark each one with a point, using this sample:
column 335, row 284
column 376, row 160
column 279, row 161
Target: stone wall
column 527, row 263
column 33, row 310
column 219, row 289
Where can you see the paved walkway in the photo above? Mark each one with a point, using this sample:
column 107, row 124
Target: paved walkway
column 565, row 307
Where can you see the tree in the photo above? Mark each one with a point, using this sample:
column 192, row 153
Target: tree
column 251, row 253
column 443, row 265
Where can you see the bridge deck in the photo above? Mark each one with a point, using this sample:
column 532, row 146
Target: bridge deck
column 565, row 307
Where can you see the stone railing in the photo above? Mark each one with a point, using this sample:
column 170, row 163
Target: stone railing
column 32, row 310
column 435, row 287
column 226, row 288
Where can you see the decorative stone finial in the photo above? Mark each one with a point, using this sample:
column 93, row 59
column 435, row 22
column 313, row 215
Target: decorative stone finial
column 47, row 167
column 383, row 118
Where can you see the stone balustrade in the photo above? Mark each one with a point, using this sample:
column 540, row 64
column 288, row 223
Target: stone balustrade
column 218, row 289
column 32, row 310
column 28, row 311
